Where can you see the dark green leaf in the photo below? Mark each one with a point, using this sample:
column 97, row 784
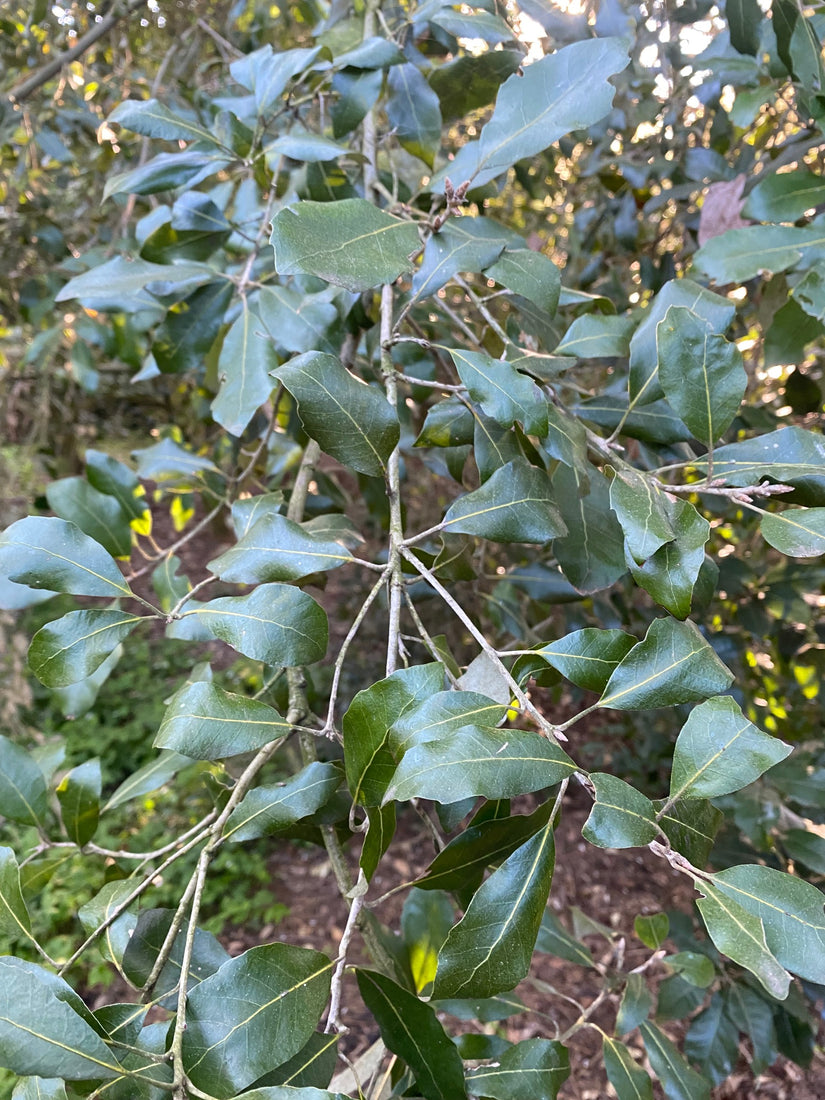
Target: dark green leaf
column 297, row 322
column 275, row 623
column 554, row 939
column 380, row 832
column 41, row 1031
column 753, row 1015
column 190, row 329
column 652, row 930
column 742, row 254
column 490, row 948
column 790, row 455
column 120, row 278
column 244, row 366
column 670, row 574
column 252, row 1015
column 797, row 532
column 643, row 511
column 357, row 91
column 439, row 713
column 785, row 196
column 116, row 480
column 529, row 274
column 150, row 777
column 72, row 648
column 691, row 827
column 467, row 244
column 567, row 90
column 79, row 797
column 702, row 375
column 621, row 817
column 514, row 505
column 592, row 553
column 96, row 514
column 39, row 1088
column 413, row 112
column 673, row 664
column 152, row 119
column 267, row 809
column 348, row 419
column 806, row 848
column 745, row 22
column 207, row 723
column 23, row 795
column 44, row 552
column 447, row 424
column 312, row 1067
column 627, row 1077
column 97, row 911
column 679, row 1081
column 597, row 336
column 712, row 1041
column 267, row 74
column 411, row 1030
column 503, row 393
column 473, row 762
column 373, row 53
column 719, row 751
column 276, row 549
column 588, row 657
column 534, row 1069
column 146, row 942
column 15, row 922
column 476, row 24
column 468, row 82
column 653, row 423
column 167, row 172
column 350, row 243
column 635, row 1005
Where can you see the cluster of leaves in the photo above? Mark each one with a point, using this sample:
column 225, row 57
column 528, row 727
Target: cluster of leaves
column 333, row 256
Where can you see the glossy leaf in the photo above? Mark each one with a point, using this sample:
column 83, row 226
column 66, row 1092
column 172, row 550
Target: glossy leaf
column 466, row 244
column 592, row 552
column 691, row 827
column 588, row 657
column 23, row 795
column 276, row 549
column 350, row 420
column 101, row 908
column 514, row 505
column 153, row 119
column 79, row 796
column 297, row 322
column 702, row 375
column 797, row 532
column 411, row 1030
column 712, row 1041
column 623, row 1072
column 597, row 336
column 643, row 511
column 42, row 1033
column 380, row 833
column 253, row 1014
column 530, row 274
column 115, row 479
column 312, row 1067
column 207, row 723
column 15, row 922
column 44, row 552
column 245, row 362
column 671, row 573
column 672, row 664
column 267, row 74
column 533, row 1069
column 503, row 393
column 72, row 648
column 490, row 948
column 741, row 254
column 790, row 910
column 719, row 751
column 191, row 328
column 565, row 91
column 679, row 1081
column 621, row 817
column 357, row 91
column 274, row 623
column 744, row 19
column 150, row 777
column 442, row 712
column 96, row 514
column 741, row 936
column 39, row 1088
column 350, row 243
column 789, row 455
column 146, row 942
column 414, row 112
column 473, row 762
column 266, row 809
column 120, row 279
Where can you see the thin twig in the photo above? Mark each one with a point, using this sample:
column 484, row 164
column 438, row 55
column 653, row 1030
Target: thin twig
column 357, row 904
column 329, row 724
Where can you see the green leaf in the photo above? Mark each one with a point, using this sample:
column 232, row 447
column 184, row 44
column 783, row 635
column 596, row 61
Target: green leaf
column 466, row 244
column 350, row 243
column 797, row 532
column 597, row 336
column 652, row 930
column 168, row 462
column 98, row 910
column 372, row 53
column 447, row 424
column 99, row 516
column 245, row 361
column 529, row 274
column 679, row 1081
column 120, row 278
column 742, row 254
column 266, row 809
column 588, row 657
column 473, row 762
column 167, row 172
column 785, row 196
column 691, row 827
column 473, row 24
column 414, row 112
column 806, row 848
column 248, row 510
column 276, row 549
column 592, row 553
column 653, row 423
column 621, row 817
column 701, row 373
column 790, row 455
column 150, row 777
column 207, row 723
column 72, row 648
column 312, row 1067
column 503, row 393
column 267, row 74
column 643, row 511
column 256, row 1012
column 380, row 833
column 297, row 322
column 425, row 921
column 627, row 1077
column 41, row 1032
column 152, row 119
column 116, row 480
column 745, row 22
column 534, row 1069
column 719, row 751
column 411, row 1030
column 356, row 90
column 643, row 385
column 554, row 939
column 350, row 420
column 14, row 916
column 301, row 144
column 671, row 573
column 635, row 1005
column 753, row 1015
column 274, row 623
column 712, row 1041
column 439, row 713
column 190, row 329
column 471, row 81
column 741, row 936
column 790, row 910
column 79, row 796
column 44, row 552
column 146, row 942
column 567, row 90
column 23, row 794
column 39, row 1088
column 672, row 664
column 514, row 505
column 490, row 948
